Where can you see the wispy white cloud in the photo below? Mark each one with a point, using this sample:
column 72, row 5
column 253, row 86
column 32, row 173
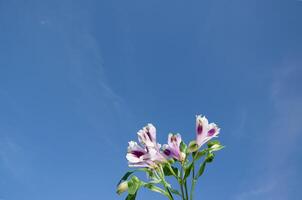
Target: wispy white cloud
column 257, row 192
column 239, row 127
column 96, row 102
column 285, row 129
column 282, row 134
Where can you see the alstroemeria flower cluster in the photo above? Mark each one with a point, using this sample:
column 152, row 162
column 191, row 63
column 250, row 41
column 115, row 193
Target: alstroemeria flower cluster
column 157, row 160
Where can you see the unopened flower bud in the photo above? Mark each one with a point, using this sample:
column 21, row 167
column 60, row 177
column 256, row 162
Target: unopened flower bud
column 193, row 146
column 182, row 156
column 215, row 146
column 122, row 187
column 210, row 158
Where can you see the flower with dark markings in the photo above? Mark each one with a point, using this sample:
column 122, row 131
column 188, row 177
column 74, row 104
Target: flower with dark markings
column 172, row 149
column 204, row 130
column 147, row 136
column 137, row 156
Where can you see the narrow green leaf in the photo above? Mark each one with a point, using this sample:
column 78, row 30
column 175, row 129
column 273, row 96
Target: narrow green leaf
column 188, row 171
column 127, row 174
column 167, row 170
column 149, row 173
column 183, row 147
column 216, row 147
column 213, row 142
column 131, row 196
column 133, row 185
column 154, row 188
column 201, row 169
column 175, row 191
column 199, row 154
column 125, row 177
column 210, row 157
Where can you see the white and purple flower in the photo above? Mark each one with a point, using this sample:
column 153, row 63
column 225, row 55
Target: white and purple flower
column 172, row 149
column 137, row 156
column 147, row 155
column 204, row 130
column 147, row 136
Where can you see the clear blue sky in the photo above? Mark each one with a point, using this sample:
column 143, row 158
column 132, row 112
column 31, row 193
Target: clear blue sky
column 79, row 78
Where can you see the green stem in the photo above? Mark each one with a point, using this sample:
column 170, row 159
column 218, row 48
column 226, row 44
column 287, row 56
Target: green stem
column 186, row 189
column 172, row 171
column 155, row 189
column 193, row 188
column 193, row 183
column 165, row 183
column 181, row 184
column 182, row 191
column 169, row 192
column 184, row 183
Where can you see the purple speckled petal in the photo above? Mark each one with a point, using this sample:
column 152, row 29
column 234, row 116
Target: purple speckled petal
column 199, row 129
column 211, row 132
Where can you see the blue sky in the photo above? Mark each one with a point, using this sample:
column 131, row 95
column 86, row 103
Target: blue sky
column 78, row 79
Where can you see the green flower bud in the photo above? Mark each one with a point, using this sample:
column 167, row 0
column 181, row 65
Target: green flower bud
column 193, row 146
column 212, row 143
column 183, row 147
column 210, row 157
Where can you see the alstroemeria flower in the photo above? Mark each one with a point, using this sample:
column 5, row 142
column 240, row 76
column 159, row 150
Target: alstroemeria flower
column 172, row 149
column 155, row 155
column 137, row 156
column 147, row 136
column 204, row 130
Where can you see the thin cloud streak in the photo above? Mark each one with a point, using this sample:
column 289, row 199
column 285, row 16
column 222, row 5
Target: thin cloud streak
column 284, row 132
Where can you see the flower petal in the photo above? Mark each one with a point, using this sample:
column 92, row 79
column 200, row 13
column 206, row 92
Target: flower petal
column 201, row 129
column 213, row 130
column 173, row 147
column 174, row 140
column 147, row 136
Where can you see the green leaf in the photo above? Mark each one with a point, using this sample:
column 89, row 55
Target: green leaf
column 167, row 170
column 175, row 192
column 199, row 154
column 201, row 169
column 150, row 174
column 127, row 174
column 210, row 157
column 131, row 196
column 183, row 147
column 135, row 179
column 154, row 188
column 155, row 181
column 216, row 147
column 213, row 142
column 171, row 161
column 125, row 177
column 188, row 170
column 133, row 185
